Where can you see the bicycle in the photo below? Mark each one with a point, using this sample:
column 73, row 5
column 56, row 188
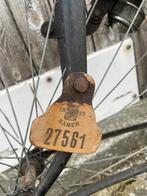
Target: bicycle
column 64, row 25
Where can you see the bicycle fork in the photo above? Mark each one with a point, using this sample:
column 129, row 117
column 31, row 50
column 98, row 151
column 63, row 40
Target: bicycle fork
column 67, row 129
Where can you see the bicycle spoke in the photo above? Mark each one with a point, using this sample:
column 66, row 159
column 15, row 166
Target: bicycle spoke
column 15, row 117
column 5, row 164
column 41, row 108
column 49, row 4
column 79, row 166
column 4, row 130
column 36, row 89
column 112, row 180
column 2, row 112
column 28, row 164
column 118, row 163
column 120, row 81
column 38, row 77
column 19, row 167
column 14, row 114
column 90, row 179
column 30, row 54
column 102, row 160
column 36, row 108
column 89, row 15
column 6, row 153
column 57, row 86
column 81, row 169
column 9, row 157
column 11, row 104
column 118, row 49
column 11, row 145
column 137, row 97
column 2, row 188
column 61, row 186
column 30, row 171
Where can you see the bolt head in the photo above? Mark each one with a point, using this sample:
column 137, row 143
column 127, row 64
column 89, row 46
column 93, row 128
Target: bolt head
column 81, row 85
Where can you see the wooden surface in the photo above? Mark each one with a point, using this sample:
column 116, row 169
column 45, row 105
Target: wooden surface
column 14, row 49
column 14, row 55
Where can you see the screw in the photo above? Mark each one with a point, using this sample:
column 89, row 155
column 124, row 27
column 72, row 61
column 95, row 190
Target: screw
column 128, row 47
column 81, row 85
column 134, row 95
column 49, row 79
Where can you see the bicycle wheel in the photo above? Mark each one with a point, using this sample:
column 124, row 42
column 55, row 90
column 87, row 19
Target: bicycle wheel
column 68, row 49
column 28, row 154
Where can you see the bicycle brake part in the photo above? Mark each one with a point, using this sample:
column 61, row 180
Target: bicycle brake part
column 69, row 124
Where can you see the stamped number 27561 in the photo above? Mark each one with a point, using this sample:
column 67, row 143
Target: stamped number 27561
column 67, row 138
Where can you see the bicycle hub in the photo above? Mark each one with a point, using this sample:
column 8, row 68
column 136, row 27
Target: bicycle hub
column 123, row 14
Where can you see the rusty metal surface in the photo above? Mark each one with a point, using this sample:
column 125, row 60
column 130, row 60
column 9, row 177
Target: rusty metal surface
column 69, row 125
column 70, row 94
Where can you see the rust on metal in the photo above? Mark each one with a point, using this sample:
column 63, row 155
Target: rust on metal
column 81, row 85
column 69, row 125
column 70, row 94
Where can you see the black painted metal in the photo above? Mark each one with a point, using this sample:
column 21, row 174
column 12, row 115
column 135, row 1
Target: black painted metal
column 58, row 164
column 70, row 17
column 70, row 21
column 102, row 7
column 111, row 180
column 55, row 32
column 136, row 2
